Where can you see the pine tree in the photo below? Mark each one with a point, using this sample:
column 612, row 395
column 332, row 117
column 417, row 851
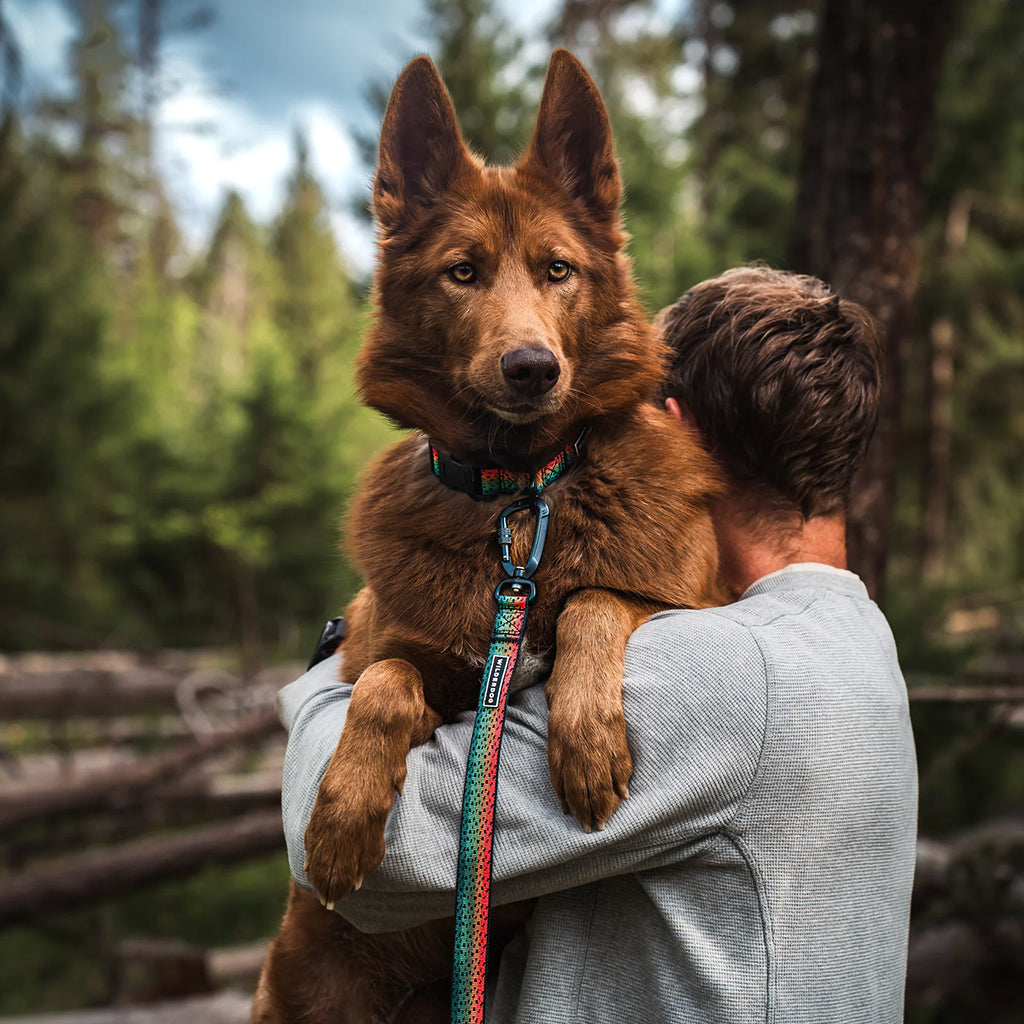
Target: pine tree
column 10, row 66
column 314, row 301
column 971, row 311
column 476, row 52
column 234, row 285
column 755, row 62
column 106, row 158
column 61, row 417
column 636, row 66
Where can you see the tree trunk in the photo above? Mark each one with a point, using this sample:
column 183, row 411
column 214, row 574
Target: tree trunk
column 940, row 406
column 859, row 205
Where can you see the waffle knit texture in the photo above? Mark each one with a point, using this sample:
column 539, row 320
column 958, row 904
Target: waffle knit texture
column 760, row 870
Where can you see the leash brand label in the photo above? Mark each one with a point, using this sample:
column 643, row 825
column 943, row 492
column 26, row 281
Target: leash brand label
column 495, row 678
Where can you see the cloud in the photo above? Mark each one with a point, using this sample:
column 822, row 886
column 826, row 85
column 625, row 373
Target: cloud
column 237, row 89
column 211, row 144
column 278, row 54
column 43, row 30
column 258, row 72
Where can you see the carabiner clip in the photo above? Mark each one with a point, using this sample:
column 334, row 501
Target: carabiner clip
column 517, row 587
column 540, row 507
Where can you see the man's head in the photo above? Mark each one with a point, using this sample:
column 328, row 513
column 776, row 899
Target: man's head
column 782, row 379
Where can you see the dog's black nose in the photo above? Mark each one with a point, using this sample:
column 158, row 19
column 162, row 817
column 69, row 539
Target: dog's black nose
column 531, row 370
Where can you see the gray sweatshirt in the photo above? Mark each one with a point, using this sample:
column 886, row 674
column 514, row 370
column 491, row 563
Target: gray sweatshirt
column 761, row 868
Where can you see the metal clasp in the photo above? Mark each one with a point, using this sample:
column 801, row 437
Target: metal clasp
column 518, row 577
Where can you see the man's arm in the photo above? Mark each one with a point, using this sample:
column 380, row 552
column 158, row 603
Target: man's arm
column 694, row 699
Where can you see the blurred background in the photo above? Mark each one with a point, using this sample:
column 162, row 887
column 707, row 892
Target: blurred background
column 185, row 253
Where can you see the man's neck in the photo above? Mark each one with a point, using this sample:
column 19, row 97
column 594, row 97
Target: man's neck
column 752, row 543
column 746, row 554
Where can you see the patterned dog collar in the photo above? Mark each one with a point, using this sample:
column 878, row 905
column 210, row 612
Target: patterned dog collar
column 482, row 482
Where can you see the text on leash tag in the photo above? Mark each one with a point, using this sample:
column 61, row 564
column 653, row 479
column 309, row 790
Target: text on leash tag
column 495, row 679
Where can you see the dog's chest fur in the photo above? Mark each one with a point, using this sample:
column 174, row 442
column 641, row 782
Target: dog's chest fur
column 629, row 518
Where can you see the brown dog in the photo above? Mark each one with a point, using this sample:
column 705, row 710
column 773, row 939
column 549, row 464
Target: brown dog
column 507, row 325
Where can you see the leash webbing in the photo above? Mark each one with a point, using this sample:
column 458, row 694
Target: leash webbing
column 473, row 885
column 473, row 888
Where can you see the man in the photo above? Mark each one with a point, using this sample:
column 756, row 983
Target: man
column 761, row 868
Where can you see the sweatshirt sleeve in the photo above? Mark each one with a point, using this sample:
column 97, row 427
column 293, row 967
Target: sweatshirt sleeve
column 695, row 705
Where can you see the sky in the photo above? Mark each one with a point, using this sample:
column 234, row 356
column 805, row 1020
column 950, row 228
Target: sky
column 261, row 69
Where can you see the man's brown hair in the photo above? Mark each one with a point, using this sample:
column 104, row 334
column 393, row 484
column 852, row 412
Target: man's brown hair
column 783, row 380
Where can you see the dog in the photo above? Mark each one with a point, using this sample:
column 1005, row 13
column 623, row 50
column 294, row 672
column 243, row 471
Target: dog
column 508, row 330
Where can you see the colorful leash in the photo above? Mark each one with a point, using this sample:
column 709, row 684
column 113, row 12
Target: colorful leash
column 473, row 887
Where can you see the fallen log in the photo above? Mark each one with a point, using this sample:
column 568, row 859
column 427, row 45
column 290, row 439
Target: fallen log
column 937, row 859
column 192, row 802
column 967, row 694
column 239, row 966
column 223, row 1008
column 114, row 683
column 126, row 785
column 947, row 955
column 94, row 683
column 107, row 873
column 148, row 971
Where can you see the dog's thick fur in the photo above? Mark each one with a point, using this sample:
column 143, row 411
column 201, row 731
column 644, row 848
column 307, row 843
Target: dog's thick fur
column 479, row 265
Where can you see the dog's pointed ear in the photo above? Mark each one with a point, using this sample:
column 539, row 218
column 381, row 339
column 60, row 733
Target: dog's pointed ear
column 573, row 139
column 421, row 150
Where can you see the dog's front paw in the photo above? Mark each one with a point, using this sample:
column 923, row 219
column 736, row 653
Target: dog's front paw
column 590, row 765
column 345, row 836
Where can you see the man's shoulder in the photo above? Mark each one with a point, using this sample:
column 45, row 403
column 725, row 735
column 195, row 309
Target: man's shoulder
column 721, row 628
column 685, row 649
column 734, row 638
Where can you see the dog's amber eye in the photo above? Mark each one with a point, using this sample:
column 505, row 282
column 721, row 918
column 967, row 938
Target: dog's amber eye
column 463, row 273
column 559, row 270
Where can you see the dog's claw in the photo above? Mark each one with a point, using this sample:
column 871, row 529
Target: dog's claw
column 329, row 905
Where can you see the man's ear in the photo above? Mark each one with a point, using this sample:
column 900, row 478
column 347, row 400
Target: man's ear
column 572, row 141
column 682, row 414
column 421, row 150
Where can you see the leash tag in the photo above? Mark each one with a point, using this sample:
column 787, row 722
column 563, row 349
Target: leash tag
column 495, row 681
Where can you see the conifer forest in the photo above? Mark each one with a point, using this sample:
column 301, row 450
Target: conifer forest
column 179, row 437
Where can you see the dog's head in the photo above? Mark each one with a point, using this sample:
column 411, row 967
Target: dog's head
column 506, row 313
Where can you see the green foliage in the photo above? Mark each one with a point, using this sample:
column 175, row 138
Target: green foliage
column 314, row 301
column 61, row 414
column 972, row 761
column 475, row 52
column 182, row 448
column 972, row 279
column 754, row 62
